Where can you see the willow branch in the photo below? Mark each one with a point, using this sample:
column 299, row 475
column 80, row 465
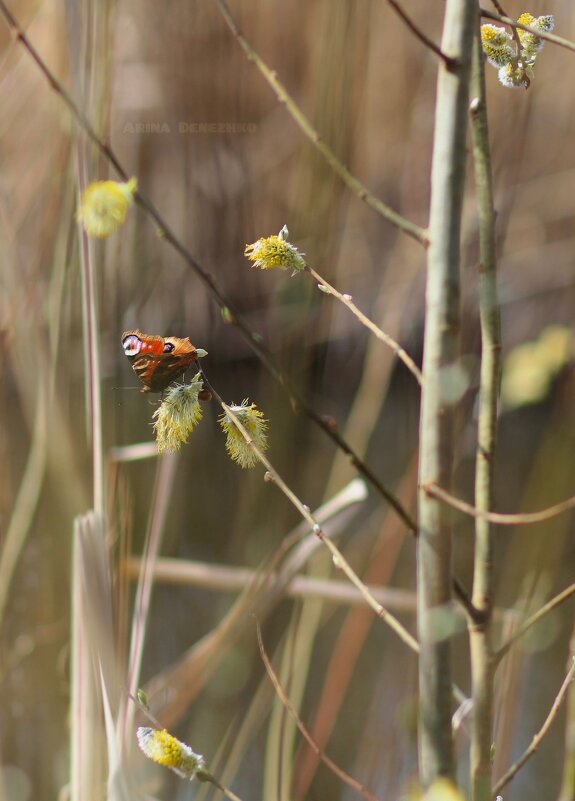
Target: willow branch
column 369, row 324
column 523, row 519
column 537, row 738
column 338, row 558
column 315, row 138
column 233, row 315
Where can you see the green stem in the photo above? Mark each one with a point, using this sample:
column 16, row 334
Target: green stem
column 441, row 346
column 482, row 600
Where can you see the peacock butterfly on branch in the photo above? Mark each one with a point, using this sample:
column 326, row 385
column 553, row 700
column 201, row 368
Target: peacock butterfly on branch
column 158, row 361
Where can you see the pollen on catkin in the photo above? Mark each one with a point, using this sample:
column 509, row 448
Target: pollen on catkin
column 177, row 415
column 497, row 45
column 274, row 252
column 163, row 748
column 255, row 424
column 515, row 63
column 103, row 206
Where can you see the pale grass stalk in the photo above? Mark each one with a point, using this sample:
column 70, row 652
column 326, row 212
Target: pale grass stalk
column 542, row 733
column 315, row 138
column 507, row 709
column 159, row 509
column 441, row 347
column 334, row 767
column 133, row 453
column 91, row 356
column 205, row 276
column 480, row 632
column 567, row 792
column 552, row 604
column 26, row 502
column 234, row 579
column 90, row 630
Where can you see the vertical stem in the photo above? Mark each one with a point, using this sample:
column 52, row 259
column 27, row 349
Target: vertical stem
column 92, row 353
column 480, row 629
column 441, row 345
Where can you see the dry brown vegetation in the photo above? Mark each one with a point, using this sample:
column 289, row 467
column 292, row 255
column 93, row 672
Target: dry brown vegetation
column 150, row 75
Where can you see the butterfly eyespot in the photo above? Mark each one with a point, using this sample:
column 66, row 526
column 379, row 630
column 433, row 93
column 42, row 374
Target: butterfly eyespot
column 132, row 345
column 158, row 361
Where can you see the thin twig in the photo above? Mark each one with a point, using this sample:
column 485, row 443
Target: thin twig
column 549, row 37
column 253, row 339
column 563, row 596
column 315, row 138
column 523, row 519
column 339, row 772
column 537, row 738
column 338, row 559
column 429, row 43
column 369, row 324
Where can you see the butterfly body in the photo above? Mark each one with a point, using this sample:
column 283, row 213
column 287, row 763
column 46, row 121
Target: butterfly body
column 156, row 360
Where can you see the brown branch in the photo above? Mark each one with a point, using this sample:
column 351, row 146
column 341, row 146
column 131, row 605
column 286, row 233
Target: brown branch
column 537, row 738
column 449, row 62
column 523, row 519
column 339, row 772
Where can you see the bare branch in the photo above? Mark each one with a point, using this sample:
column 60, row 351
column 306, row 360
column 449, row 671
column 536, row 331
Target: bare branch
column 419, row 34
column 537, row 738
column 523, row 519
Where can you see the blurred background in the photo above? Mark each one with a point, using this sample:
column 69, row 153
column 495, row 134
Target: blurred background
column 160, row 81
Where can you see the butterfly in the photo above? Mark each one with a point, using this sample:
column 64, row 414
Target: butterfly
column 158, row 361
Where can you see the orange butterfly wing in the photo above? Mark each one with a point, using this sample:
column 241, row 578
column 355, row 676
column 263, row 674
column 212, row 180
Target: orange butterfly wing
column 158, row 361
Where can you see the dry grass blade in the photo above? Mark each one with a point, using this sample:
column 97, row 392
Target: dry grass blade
column 158, row 511
column 179, row 684
column 26, row 500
